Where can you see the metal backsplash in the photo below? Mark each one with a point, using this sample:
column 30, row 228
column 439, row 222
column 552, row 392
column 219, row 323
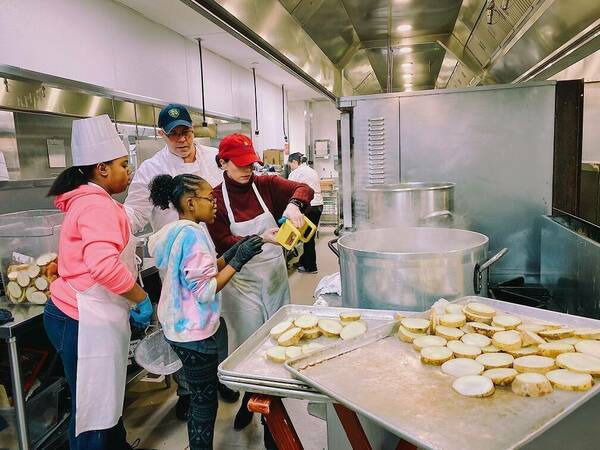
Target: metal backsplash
column 8, row 146
column 570, row 268
column 376, row 150
column 36, row 108
column 497, row 145
column 24, row 195
column 33, row 132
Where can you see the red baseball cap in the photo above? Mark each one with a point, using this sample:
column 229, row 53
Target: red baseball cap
column 239, row 149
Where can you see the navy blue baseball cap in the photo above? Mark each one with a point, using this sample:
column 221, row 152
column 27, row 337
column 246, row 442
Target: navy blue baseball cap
column 172, row 116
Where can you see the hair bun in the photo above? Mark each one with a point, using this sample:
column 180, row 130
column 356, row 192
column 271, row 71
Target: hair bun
column 160, row 191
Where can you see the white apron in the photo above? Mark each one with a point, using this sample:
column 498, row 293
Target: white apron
column 257, row 291
column 102, row 349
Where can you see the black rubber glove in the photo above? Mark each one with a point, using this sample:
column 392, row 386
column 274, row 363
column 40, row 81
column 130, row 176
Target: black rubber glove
column 230, row 253
column 248, row 249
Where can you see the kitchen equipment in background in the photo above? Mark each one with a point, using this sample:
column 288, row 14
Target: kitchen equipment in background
column 409, row 204
column 27, row 234
column 376, row 150
column 322, row 148
column 410, row 268
column 146, row 149
column 517, row 290
column 329, row 192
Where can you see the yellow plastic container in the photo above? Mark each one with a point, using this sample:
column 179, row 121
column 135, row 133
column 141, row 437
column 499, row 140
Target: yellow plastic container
column 289, row 236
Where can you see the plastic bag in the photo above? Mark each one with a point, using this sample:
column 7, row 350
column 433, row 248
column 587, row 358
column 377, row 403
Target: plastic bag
column 331, row 284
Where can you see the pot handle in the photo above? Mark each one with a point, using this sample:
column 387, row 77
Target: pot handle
column 338, row 229
column 479, row 269
column 333, row 248
column 436, row 214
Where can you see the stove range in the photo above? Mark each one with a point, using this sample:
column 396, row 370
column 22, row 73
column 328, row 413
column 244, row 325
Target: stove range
column 516, row 290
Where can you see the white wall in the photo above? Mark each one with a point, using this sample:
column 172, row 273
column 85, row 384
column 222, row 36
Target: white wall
column 588, row 68
column 107, row 44
column 590, row 146
column 297, row 136
column 324, row 117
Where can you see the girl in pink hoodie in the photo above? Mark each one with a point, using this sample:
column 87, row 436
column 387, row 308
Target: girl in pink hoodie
column 94, row 233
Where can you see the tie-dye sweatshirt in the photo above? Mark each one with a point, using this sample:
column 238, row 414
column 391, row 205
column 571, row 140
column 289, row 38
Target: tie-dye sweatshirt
column 189, row 306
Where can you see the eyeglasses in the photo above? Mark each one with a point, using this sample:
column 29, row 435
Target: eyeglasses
column 210, row 199
column 175, row 135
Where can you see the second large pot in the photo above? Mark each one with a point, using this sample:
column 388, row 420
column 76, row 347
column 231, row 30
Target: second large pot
column 410, row 204
column 411, row 268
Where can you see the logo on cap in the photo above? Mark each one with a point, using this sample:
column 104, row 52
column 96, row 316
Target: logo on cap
column 174, row 112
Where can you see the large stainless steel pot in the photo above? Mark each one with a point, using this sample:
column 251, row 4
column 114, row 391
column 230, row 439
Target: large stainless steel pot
column 411, row 268
column 409, row 204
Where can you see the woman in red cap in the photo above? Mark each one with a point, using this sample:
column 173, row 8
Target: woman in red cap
column 248, row 205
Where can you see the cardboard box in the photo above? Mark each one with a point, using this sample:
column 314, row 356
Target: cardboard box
column 327, row 184
column 273, row 157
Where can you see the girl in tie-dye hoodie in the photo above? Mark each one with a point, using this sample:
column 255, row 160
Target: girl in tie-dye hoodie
column 189, row 306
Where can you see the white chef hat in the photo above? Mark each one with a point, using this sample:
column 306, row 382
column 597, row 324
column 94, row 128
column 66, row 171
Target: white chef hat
column 95, row 140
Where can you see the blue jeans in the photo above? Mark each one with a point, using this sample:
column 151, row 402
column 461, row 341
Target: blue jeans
column 62, row 332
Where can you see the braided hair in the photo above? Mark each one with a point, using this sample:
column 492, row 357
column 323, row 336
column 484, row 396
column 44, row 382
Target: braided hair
column 166, row 190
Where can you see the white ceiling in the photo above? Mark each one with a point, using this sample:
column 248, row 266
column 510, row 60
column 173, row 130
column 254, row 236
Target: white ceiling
column 180, row 18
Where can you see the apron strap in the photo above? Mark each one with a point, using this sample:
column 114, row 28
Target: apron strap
column 260, row 199
column 228, row 204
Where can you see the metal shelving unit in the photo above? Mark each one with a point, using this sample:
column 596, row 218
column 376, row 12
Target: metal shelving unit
column 330, row 217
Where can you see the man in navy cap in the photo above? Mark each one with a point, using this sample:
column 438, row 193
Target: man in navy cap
column 179, row 155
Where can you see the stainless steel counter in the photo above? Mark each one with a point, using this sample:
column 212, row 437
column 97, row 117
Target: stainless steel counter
column 26, row 317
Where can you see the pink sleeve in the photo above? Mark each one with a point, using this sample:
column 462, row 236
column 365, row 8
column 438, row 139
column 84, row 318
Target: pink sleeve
column 103, row 240
column 200, row 269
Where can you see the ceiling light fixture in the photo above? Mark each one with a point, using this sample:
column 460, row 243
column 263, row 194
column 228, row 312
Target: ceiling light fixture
column 404, row 28
column 489, row 10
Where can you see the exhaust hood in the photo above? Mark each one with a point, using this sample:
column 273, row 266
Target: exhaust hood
column 354, row 47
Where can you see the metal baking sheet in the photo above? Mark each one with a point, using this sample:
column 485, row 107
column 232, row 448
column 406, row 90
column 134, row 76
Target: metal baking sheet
column 277, row 384
column 416, row 402
column 248, row 361
column 276, row 391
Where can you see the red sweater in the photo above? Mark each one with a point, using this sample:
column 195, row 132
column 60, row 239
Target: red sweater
column 275, row 191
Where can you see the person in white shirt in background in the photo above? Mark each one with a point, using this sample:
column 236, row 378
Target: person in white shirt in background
column 180, row 155
column 302, row 173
